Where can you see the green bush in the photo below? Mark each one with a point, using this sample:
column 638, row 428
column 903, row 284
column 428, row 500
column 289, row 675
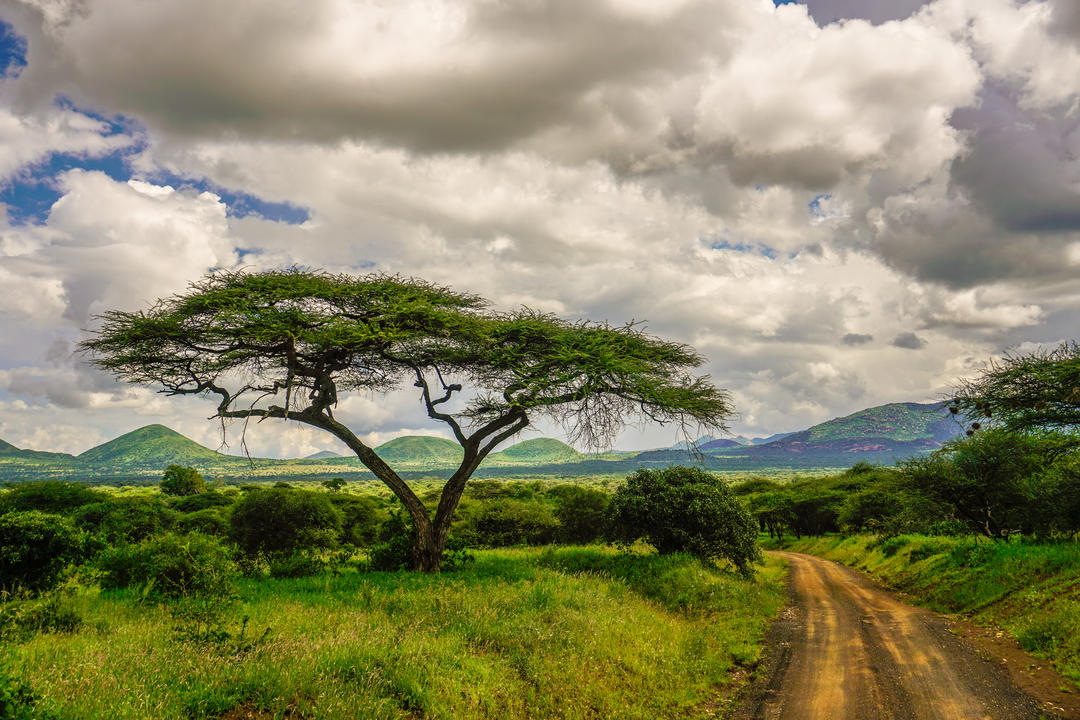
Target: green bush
column 299, row 564
column 201, row 501
column 580, row 512
column 280, row 521
column 52, row 612
column 393, row 550
column 509, row 521
column 126, row 519
column 51, row 496
column 18, row 701
column 361, row 518
column 35, row 548
column 171, row 566
column 180, row 480
column 684, row 509
column 212, row 521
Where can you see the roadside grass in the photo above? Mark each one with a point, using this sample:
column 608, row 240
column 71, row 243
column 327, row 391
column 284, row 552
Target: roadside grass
column 523, row 633
column 1030, row 590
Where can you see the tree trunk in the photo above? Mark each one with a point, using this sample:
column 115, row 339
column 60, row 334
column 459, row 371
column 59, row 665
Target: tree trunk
column 427, row 550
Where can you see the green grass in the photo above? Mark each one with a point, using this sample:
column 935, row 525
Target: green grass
column 557, row 633
column 1030, row 590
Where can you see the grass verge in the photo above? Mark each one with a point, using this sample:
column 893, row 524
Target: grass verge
column 1032, row 591
column 559, row 633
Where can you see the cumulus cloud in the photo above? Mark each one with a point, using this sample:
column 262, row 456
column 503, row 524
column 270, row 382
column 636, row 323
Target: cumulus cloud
column 875, row 11
column 857, row 339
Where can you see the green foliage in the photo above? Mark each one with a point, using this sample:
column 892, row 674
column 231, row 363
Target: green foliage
column 126, row 519
column 505, row 521
column 212, row 521
column 361, row 517
column 201, row 501
column 18, row 701
column 393, row 549
column 581, row 513
column 178, row 480
column 989, row 481
column 299, row 564
column 683, row 509
column 50, row 496
column 171, row 566
column 1024, row 393
column 334, row 484
column 35, row 548
column 281, row 521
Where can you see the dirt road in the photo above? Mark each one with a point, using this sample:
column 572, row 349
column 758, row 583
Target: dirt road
column 847, row 650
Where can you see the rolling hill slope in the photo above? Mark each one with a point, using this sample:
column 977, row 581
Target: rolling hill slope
column 537, row 450
column 420, row 450
column 154, row 447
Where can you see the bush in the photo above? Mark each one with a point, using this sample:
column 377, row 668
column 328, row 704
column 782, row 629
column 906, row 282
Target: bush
column 201, row 501
column 129, row 519
column 211, row 521
column 580, row 512
column 52, row 612
column 35, row 548
column 280, row 521
column 180, row 480
column 508, row 521
column 684, row 509
column 171, row 566
column 51, row 496
column 17, row 700
column 299, row 564
column 361, row 518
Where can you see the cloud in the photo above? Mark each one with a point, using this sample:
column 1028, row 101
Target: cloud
column 857, row 339
column 908, row 341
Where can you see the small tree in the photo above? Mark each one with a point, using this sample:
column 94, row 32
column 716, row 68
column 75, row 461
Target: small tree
column 278, row 521
column 334, row 485
column 285, row 344
column 684, row 509
column 179, row 480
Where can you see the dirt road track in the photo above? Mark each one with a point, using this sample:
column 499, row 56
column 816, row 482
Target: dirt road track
column 847, row 650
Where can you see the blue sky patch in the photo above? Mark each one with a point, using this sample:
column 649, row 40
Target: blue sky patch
column 240, row 204
column 12, row 51
column 762, row 250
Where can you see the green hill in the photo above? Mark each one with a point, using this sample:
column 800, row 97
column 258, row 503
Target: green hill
column 7, row 448
column 420, row 450
column 154, row 447
column 899, row 422
column 537, row 450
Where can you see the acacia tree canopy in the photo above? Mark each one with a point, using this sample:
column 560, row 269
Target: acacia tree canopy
column 1024, row 393
column 284, row 344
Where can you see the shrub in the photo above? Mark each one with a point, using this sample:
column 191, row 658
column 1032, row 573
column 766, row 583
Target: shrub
column 299, row 564
column 280, row 521
column 171, row 566
column 52, row 612
column 51, row 496
column 128, row 519
column 212, row 521
column 361, row 518
column 180, row 480
column 35, row 548
column 18, row 701
column 684, row 509
column 201, row 501
column 509, row 521
column 580, row 512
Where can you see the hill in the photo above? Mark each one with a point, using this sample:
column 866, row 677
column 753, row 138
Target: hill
column 420, row 450
column 879, row 434
column 323, row 455
column 153, row 447
column 537, row 450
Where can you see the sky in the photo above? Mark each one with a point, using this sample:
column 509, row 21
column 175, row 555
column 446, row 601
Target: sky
column 839, row 203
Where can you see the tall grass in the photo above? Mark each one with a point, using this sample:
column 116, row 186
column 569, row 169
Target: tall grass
column 573, row 633
column 1031, row 590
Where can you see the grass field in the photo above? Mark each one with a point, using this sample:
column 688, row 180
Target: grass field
column 1030, row 590
column 583, row 632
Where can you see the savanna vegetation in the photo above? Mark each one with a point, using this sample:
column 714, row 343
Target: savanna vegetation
column 280, row 601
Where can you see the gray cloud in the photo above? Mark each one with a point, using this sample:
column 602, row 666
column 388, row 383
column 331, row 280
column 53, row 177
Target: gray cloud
column 1022, row 167
column 857, row 339
column 908, row 341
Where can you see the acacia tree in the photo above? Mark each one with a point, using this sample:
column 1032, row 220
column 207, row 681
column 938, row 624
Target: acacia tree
column 284, row 344
column 1025, row 393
